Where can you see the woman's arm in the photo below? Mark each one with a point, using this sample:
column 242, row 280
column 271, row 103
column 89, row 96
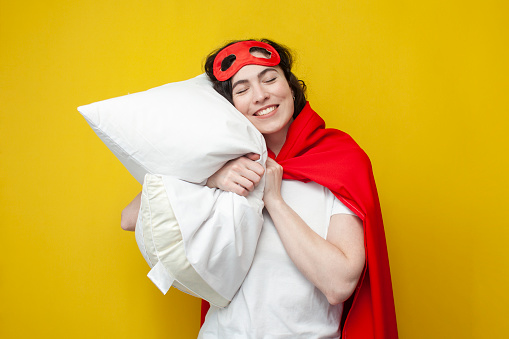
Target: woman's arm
column 333, row 265
column 129, row 215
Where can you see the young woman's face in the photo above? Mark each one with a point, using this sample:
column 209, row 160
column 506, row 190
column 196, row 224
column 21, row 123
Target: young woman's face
column 263, row 95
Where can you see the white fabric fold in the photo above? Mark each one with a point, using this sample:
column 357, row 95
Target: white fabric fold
column 161, row 277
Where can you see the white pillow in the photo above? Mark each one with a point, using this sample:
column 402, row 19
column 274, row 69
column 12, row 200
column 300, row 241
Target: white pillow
column 185, row 129
column 224, row 238
column 184, row 132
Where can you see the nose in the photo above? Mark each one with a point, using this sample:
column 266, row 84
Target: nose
column 260, row 94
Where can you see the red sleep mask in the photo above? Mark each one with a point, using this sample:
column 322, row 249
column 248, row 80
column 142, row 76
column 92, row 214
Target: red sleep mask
column 242, row 57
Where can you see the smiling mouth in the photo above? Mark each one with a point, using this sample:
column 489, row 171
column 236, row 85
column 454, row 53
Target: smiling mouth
column 265, row 111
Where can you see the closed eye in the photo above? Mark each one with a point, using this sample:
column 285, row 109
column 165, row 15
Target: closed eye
column 241, row 91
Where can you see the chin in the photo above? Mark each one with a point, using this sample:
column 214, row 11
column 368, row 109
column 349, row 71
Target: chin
column 274, row 129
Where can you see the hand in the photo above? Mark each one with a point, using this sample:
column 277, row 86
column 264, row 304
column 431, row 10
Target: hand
column 239, row 176
column 273, row 179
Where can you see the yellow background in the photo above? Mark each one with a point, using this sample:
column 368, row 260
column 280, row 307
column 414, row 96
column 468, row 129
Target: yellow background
column 421, row 86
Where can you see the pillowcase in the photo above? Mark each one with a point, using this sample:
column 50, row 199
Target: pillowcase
column 229, row 225
column 184, row 129
column 184, row 132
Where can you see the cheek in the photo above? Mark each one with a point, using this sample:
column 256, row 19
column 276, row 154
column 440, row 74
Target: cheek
column 240, row 105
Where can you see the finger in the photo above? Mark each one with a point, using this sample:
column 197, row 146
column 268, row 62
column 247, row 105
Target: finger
column 252, row 156
column 231, row 184
column 271, row 163
column 237, row 183
column 273, row 168
column 245, row 165
column 246, row 184
column 257, row 168
column 252, row 176
column 238, row 189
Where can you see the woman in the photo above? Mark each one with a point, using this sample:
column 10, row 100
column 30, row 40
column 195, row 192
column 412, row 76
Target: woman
column 311, row 252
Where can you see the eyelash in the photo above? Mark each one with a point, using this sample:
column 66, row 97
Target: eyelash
column 267, row 81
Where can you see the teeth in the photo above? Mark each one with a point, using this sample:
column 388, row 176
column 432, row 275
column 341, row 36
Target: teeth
column 266, row 111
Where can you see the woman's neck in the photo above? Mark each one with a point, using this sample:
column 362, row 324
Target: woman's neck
column 276, row 140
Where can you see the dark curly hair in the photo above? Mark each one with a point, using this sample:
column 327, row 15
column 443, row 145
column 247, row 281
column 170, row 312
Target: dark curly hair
column 297, row 86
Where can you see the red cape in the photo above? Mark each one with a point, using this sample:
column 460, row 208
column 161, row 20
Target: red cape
column 333, row 159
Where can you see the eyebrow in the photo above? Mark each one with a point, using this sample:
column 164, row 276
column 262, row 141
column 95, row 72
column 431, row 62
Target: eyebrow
column 260, row 75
